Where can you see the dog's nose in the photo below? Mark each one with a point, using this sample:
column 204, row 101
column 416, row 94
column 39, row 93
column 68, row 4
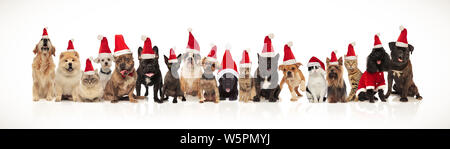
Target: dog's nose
column 106, row 63
column 122, row 66
column 70, row 64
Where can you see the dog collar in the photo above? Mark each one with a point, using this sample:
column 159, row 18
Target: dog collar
column 130, row 74
column 107, row 73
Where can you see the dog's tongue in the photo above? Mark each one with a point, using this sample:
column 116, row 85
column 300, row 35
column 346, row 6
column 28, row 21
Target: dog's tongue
column 378, row 62
column 400, row 60
column 228, row 89
column 149, row 74
column 123, row 72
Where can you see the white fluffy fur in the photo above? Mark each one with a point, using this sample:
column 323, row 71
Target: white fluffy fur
column 67, row 84
column 104, row 78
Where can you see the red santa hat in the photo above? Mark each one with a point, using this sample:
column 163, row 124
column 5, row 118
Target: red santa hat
column 147, row 51
column 121, row 47
column 402, row 40
column 89, row 70
column 314, row 61
column 245, row 61
column 268, row 50
column 333, row 60
column 70, row 47
column 289, row 57
column 172, row 56
column 228, row 65
column 192, row 45
column 104, row 50
column 212, row 56
column 377, row 42
column 351, row 52
column 44, row 33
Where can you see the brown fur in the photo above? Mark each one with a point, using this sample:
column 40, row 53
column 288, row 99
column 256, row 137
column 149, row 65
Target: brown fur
column 117, row 86
column 43, row 71
column 354, row 74
column 295, row 81
column 246, row 85
column 401, row 78
column 67, row 82
column 208, row 90
column 336, row 85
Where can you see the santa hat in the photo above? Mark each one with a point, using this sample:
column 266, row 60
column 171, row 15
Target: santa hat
column 245, row 61
column 289, row 57
column 228, row 65
column 147, row 51
column 121, row 47
column 212, row 56
column 70, row 47
column 314, row 61
column 192, row 45
column 402, row 41
column 333, row 60
column 89, row 70
column 268, row 48
column 351, row 52
column 377, row 42
column 44, row 33
column 172, row 56
column 104, row 50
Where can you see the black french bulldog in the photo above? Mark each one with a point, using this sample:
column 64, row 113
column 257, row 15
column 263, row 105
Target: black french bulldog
column 266, row 79
column 149, row 74
column 171, row 85
column 228, row 87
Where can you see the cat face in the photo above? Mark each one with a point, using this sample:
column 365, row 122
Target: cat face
column 90, row 80
column 351, row 65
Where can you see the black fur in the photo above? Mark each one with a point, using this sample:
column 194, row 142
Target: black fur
column 228, row 81
column 171, row 85
column 372, row 67
column 267, row 71
column 149, row 66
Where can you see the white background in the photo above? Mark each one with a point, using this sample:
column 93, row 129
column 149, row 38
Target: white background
column 315, row 27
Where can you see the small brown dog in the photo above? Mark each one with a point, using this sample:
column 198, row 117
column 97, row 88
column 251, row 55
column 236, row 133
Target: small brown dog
column 294, row 78
column 208, row 84
column 43, row 69
column 337, row 90
column 246, row 85
column 123, row 79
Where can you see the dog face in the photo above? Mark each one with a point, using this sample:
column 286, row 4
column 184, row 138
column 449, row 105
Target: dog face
column 378, row 61
column 208, row 66
column 90, row 80
column 44, row 48
column 173, row 66
column 69, row 62
column 124, row 63
column 267, row 65
column 106, row 60
column 351, row 65
column 334, row 72
column 191, row 59
column 400, row 55
column 244, row 72
column 289, row 71
column 228, row 81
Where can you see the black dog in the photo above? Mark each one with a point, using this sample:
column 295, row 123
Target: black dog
column 149, row 74
column 401, row 72
column 377, row 61
column 266, row 79
column 171, row 85
column 228, row 87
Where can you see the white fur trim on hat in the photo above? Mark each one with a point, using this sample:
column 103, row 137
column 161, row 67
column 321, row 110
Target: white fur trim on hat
column 223, row 71
column 89, row 72
column 350, row 57
column 193, row 51
column 45, row 36
column 378, row 46
column 334, row 63
column 246, row 65
column 401, row 44
column 173, row 61
column 370, row 87
column 122, row 52
column 289, row 62
column 211, row 59
column 268, row 54
column 314, row 64
column 104, row 55
column 148, row 56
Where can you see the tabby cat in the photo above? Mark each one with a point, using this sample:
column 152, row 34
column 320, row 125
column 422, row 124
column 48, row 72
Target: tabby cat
column 354, row 74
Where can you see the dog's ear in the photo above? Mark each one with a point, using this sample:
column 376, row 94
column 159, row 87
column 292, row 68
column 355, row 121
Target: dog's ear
column 77, row 55
column 298, row 64
column 280, row 67
column 97, row 60
column 277, row 57
column 258, row 56
column 340, row 61
column 35, row 51
column 166, row 60
column 114, row 58
column 203, row 61
column 155, row 48
column 411, row 48
column 392, row 46
column 328, row 61
column 139, row 53
column 53, row 50
column 61, row 55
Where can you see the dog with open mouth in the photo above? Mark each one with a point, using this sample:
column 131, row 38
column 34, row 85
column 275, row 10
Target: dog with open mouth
column 372, row 80
column 68, row 74
column 123, row 80
column 292, row 75
column 191, row 72
column 171, row 86
column 43, row 69
column 337, row 89
column 208, row 83
column 228, row 77
column 148, row 71
column 401, row 69
column 106, row 59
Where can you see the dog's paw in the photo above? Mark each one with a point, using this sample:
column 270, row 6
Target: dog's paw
column 35, row 98
column 418, row 97
column 49, row 98
column 294, row 99
column 256, row 99
column 133, row 100
column 201, row 101
column 114, row 101
column 372, row 101
column 58, row 99
column 183, row 99
column 404, row 99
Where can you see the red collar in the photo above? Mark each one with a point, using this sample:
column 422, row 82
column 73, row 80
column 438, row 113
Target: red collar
column 130, row 74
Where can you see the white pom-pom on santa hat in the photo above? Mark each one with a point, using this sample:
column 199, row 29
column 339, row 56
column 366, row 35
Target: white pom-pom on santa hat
column 290, row 43
column 100, row 37
column 271, row 35
column 228, row 46
column 143, row 37
column 402, row 27
column 72, row 40
column 189, row 29
column 353, row 43
column 46, row 27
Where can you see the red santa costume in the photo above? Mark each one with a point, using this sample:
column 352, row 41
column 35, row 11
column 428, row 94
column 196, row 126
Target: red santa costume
column 374, row 80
